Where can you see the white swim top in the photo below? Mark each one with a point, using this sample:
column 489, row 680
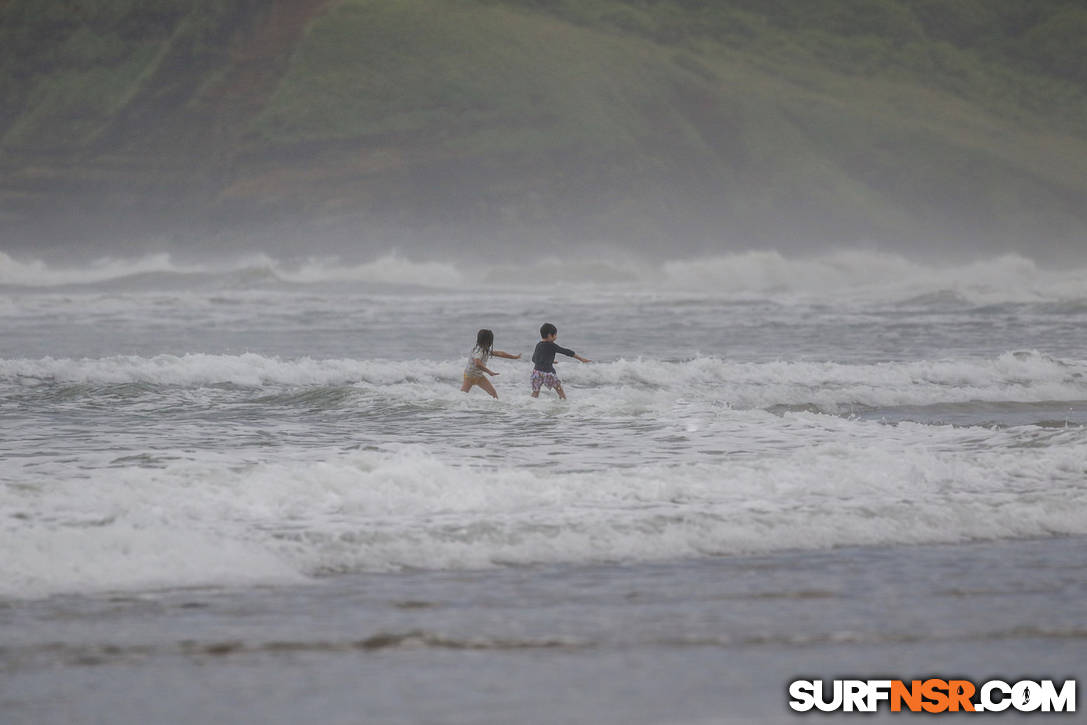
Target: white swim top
column 471, row 369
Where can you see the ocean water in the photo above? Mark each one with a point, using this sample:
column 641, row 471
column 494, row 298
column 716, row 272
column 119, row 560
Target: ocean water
column 252, row 491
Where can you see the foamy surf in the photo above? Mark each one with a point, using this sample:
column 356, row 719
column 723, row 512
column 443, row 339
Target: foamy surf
column 276, row 422
column 1022, row 376
column 249, row 270
column 860, row 276
column 235, row 524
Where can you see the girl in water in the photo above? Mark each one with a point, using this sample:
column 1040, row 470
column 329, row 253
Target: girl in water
column 477, row 363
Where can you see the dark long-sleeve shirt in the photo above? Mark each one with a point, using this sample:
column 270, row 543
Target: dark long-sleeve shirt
column 544, row 355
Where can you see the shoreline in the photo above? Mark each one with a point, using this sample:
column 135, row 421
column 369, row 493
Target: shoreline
column 681, row 641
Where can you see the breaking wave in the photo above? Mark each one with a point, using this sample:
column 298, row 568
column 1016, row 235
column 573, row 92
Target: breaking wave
column 846, row 275
column 250, row 271
column 212, row 522
column 1024, row 376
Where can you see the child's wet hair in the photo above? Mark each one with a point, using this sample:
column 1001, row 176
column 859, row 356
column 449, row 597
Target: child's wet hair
column 484, row 339
column 548, row 329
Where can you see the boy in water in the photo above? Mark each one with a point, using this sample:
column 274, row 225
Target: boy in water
column 543, row 359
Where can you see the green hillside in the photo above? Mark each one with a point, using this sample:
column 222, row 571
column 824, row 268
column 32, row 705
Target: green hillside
column 492, row 123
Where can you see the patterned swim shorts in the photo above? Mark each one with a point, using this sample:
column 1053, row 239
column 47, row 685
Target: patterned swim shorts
column 539, row 377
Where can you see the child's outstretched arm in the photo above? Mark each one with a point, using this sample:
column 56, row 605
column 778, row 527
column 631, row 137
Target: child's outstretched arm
column 571, row 353
column 499, row 353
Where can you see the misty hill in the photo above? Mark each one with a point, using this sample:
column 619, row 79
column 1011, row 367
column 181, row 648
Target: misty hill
column 652, row 124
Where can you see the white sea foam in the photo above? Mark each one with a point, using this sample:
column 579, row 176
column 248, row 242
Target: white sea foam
column 875, row 275
column 124, row 471
column 1011, row 377
column 36, row 273
column 216, row 521
column 388, row 269
column 200, row 369
column 841, row 275
column 1021, row 377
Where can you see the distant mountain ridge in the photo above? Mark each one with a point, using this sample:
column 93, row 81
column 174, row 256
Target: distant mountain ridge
column 495, row 124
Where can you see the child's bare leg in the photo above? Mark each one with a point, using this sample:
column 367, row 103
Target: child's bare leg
column 535, row 393
column 558, row 389
column 467, row 385
column 486, row 385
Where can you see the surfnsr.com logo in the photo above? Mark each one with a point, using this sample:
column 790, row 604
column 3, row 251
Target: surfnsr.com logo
column 932, row 696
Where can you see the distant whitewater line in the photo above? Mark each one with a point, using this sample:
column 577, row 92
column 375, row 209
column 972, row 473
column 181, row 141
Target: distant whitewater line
column 1026, row 376
column 835, row 275
column 248, row 270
